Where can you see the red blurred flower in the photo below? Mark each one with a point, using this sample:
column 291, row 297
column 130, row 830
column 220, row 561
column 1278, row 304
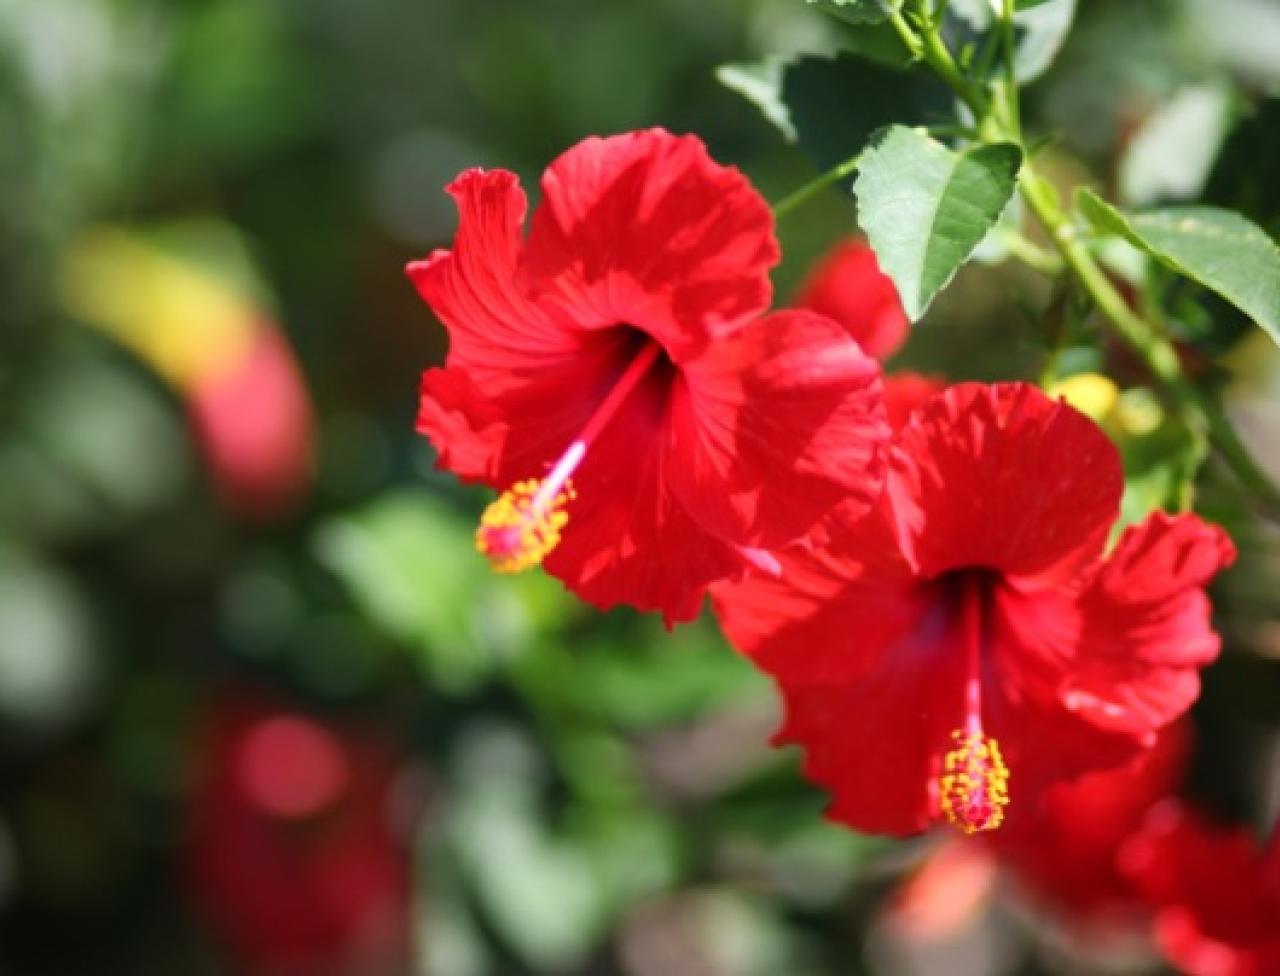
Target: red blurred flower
column 252, row 419
column 969, row 628
column 1064, row 851
column 1215, row 890
column 291, row 855
column 622, row 338
column 848, row 286
column 904, row 392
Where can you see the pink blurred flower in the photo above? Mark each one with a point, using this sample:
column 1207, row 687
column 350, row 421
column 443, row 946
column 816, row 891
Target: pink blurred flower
column 253, row 422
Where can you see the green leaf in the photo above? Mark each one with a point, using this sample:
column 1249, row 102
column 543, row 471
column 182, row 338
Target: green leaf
column 925, row 207
column 1220, row 249
column 1243, row 178
column 835, row 119
column 760, row 83
column 1028, row 4
column 858, row 11
column 814, row 101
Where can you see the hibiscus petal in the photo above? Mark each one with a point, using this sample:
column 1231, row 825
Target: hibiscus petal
column 519, row 431
column 1146, row 626
column 645, row 228
column 795, row 624
column 862, row 658
column 772, row 427
column 1035, row 646
column 495, row 331
column 1005, row 478
column 875, row 742
column 466, row 428
column 628, row 540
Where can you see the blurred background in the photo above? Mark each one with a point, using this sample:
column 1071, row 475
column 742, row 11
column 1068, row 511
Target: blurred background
column 263, row 710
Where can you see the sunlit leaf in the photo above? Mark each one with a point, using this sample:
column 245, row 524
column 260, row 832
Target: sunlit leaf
column 925, row 207
column 1219, row 249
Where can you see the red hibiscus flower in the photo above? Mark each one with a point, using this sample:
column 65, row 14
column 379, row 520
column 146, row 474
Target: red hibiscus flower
column 848, row 286
column 969, row 632
column 1065, row 850
column 1215, row 890
column 620, row 345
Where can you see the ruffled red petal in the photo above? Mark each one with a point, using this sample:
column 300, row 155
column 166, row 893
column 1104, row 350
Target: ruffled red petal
column 1034, row 647
column 465, row 427
column 861, row 657
column 496, row 331
column 507, row 355
column 645, row 228
column 1004, row 478
column 503, row 437
column 1145, row 625
column 789, row 393
column 849, row 287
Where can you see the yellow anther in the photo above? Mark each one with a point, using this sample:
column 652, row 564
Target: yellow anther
column 974, row 785
column 517, row 531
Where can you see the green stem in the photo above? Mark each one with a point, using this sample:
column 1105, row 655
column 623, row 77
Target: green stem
column 910, row 40
column 1013, row 115
column 929, row 46
column 1157, row 352
column 1031, row 254
column 814, row 187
